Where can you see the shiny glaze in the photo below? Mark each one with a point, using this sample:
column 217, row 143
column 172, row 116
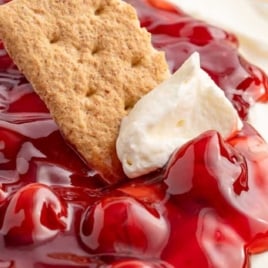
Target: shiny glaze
column 207, row 208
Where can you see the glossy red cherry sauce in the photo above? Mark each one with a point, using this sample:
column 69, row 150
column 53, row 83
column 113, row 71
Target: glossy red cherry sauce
column 207, row 208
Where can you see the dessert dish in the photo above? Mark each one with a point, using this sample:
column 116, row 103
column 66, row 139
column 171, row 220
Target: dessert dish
column 205, row 208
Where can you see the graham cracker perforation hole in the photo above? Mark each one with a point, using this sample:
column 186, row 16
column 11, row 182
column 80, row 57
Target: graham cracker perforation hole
column 90, row 93
column 98, row 11
column 136, row 61
column 129, row 105
column 55, row 38
column 96, row 49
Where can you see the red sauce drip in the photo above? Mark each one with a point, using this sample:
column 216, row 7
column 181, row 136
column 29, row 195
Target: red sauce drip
column 206, row 209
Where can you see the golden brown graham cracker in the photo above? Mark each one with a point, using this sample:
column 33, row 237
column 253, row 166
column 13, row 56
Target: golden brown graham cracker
column 89, row 61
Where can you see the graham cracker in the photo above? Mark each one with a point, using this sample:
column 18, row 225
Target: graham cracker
column 89, row 61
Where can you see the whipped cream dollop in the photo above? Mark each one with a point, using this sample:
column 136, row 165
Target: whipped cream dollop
column 178, row 110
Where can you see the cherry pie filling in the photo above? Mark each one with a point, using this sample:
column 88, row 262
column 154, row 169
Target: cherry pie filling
column 206, row 208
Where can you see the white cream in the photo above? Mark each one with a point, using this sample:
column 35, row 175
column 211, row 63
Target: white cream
column 259, row 260
column 176, row 111
column 257, row 117
column 247, row 19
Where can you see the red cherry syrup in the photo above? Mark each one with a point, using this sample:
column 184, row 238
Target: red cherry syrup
column 206, row 208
